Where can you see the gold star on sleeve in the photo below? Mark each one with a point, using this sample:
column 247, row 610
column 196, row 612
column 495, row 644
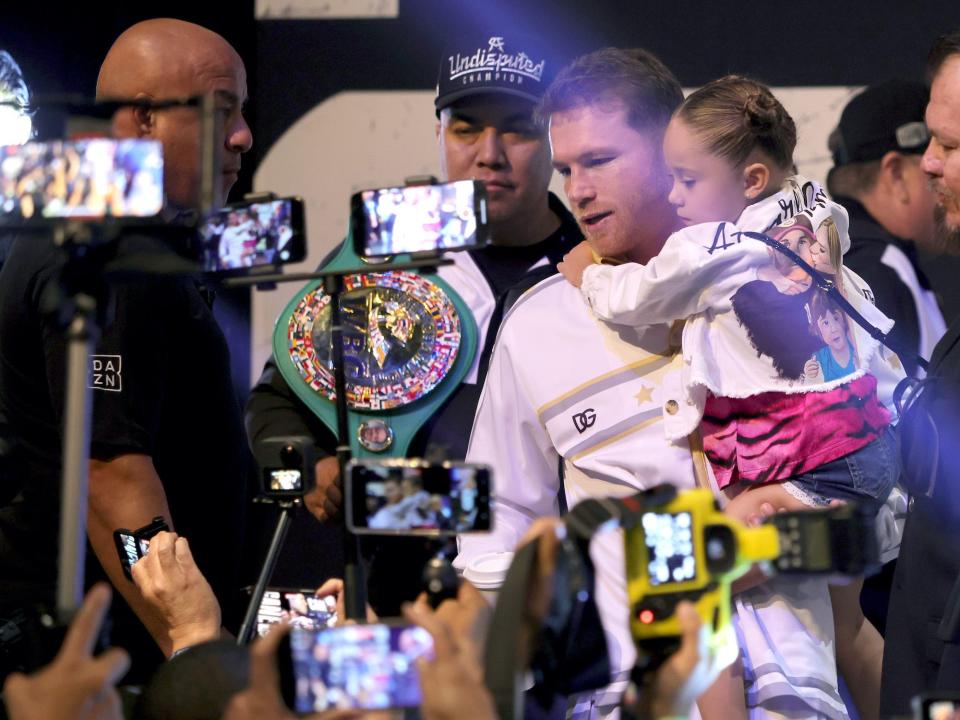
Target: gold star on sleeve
column 645, row 395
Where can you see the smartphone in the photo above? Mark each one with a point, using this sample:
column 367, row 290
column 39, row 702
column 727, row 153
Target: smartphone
column 91, row 178
column 253, row 234
column 135, row 544
column 419, row 219
column 364, row 667
column 668, row 538
column 299, row 607
column 412, row 497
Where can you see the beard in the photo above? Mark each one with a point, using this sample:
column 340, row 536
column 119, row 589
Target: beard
column 946, row 237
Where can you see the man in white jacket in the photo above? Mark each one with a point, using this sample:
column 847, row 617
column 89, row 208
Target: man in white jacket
column 574, row 407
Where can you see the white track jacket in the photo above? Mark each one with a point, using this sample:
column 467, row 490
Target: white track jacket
column 568, row 392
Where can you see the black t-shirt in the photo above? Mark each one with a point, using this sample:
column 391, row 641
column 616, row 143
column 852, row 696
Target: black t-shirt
column 161, row 387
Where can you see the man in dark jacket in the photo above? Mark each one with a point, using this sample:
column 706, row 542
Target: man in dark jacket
column 922, row 650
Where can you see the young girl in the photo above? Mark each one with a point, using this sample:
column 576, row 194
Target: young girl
column 789, row 409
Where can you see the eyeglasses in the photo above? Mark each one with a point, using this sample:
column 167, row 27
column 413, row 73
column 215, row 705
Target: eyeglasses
column 918, row 439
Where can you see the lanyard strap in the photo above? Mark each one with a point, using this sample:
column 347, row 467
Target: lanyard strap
column 830, row 288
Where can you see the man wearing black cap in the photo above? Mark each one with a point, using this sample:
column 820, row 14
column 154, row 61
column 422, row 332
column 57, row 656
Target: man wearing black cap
column 487, row 88
column 877, row 177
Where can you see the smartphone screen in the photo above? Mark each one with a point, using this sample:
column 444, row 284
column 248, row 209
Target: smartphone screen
column 81, row 179
column 253, row 234
column 419, row 218
column 365, row 667
column 129, row 554
column 299, row 607
column 442, row 499
column 133, row 545
column 670, row 553
column 284, row 481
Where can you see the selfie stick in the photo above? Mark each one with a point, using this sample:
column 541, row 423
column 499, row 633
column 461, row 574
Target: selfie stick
column 81, row 335
column 354, row 582
column 273, row 553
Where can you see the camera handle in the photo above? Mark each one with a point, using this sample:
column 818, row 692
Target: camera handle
column 440, row 579
column 287, row 508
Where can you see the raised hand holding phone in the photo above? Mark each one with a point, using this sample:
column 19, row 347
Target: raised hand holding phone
column 169, row 579
column 452, row 681
column 262, row 699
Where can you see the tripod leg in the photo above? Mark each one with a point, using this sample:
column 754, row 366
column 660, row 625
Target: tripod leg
column 279, row 535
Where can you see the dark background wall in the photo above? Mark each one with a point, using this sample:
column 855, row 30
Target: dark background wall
column 813, row 43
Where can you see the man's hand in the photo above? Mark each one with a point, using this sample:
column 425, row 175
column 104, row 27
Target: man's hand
column 452, row 683
column 575, row 262
column 334, row 587
column 467, row 616
column 687, row 673
column 325, row 501
column 170, row 581
column 261, row 700
column 75, row 685
column 546, row 532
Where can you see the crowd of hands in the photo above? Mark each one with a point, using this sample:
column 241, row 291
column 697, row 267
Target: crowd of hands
column 79, row 684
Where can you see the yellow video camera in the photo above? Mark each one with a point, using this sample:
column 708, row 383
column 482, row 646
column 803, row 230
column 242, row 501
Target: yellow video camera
column 682, row 547
column 687, row 549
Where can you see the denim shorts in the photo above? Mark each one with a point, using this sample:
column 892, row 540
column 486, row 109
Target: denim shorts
column 866, row 476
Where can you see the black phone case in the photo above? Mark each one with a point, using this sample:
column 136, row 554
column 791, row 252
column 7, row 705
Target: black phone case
column 157, row 525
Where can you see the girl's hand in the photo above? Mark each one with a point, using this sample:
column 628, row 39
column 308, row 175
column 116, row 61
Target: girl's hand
column 575, row 262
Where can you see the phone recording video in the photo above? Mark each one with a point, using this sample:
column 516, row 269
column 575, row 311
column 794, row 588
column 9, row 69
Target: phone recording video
column 668, row 538
column 135, row 544
column 253, row 234
column 419, row 219
column 92, row 178
column 413, row 497
column 130, row 552
column 298, row 607
column 368, row 667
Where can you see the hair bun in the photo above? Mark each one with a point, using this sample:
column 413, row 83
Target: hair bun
column 761, row 112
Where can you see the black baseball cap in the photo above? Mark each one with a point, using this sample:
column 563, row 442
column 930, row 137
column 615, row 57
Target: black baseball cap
column 884, row 117
column 494, row 62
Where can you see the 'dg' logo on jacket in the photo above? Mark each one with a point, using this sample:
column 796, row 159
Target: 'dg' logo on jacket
column 584, row 420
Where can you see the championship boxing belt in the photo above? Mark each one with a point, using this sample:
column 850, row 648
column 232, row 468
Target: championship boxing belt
column 408, row 342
